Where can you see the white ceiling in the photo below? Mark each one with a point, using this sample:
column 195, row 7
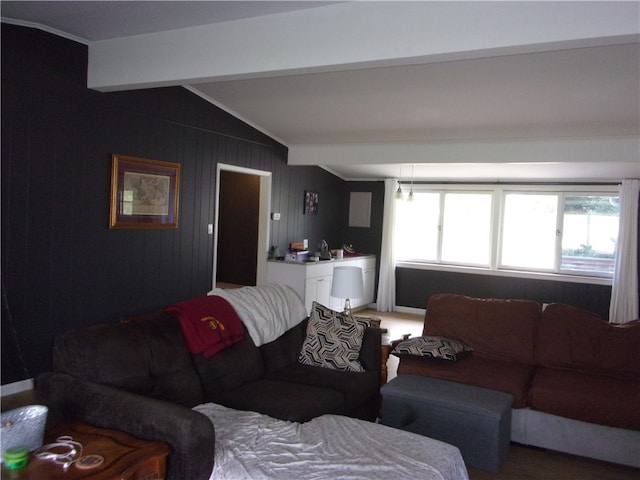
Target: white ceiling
column 454, row 88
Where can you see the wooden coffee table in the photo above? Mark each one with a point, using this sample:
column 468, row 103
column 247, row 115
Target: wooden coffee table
column 125, row 457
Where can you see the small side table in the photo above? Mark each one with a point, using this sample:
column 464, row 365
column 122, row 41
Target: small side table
column 125, row 457
column 387, row 347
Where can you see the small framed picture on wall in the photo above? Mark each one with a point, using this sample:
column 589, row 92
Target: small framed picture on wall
column 310, row 203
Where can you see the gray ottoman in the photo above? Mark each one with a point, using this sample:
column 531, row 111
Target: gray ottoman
column 474, row 419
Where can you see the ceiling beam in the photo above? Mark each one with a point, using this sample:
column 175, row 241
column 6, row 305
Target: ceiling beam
column 578, row 158
column 352, row 35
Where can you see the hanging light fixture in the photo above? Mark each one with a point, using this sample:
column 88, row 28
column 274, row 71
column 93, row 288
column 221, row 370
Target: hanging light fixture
column 399, row 195
column 410, row 198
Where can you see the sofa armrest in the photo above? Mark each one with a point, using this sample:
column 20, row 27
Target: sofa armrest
column 370, row 351
column 190, row 434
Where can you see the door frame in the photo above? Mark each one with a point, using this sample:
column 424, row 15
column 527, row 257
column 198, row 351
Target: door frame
column 264, row 226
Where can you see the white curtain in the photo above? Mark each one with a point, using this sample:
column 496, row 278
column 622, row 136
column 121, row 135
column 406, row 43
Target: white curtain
column 387, row 280
column 624, row 292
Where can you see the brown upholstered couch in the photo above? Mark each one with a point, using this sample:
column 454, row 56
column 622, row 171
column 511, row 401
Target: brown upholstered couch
column 575, row 378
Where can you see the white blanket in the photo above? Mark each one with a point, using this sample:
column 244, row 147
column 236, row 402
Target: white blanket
column 267, row 311
column 253, row 446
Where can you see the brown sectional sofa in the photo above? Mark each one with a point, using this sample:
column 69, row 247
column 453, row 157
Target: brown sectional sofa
column 587, row 369
column 575, row 378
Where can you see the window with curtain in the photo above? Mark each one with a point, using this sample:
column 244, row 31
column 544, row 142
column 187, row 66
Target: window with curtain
column 565, row 230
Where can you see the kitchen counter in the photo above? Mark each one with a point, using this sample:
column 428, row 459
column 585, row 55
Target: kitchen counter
column 312, row 280
column 355, row 256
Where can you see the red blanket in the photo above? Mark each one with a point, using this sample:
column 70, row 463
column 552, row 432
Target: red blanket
column 209, row 324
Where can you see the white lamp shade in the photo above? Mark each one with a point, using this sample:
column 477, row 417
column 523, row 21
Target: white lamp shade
column 347, row 282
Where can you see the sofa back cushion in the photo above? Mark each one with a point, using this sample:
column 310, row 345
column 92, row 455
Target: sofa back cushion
column 285, row 349
column 494, row 328
column 229, row 368
column 149, row 357
column 576, row 339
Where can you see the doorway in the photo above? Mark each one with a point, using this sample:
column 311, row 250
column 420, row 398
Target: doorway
column 241, row 225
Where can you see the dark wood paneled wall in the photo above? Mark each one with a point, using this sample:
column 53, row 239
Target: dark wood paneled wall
column 62, row 267
column 415, row 287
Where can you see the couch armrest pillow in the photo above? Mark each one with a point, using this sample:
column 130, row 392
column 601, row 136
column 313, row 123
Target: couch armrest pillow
column 438, row 348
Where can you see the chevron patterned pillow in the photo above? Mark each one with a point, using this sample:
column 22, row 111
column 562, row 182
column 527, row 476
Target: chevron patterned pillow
column 432, row 347
column 333, row 340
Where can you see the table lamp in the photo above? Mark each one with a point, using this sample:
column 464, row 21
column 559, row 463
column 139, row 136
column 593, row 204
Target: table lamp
column 347, row 283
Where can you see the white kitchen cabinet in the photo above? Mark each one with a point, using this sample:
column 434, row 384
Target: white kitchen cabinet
column 318, row 289
column 312, row 280
column 368, row 266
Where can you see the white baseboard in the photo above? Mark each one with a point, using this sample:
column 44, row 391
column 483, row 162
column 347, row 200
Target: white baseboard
column 16, row 387
column 415, row 311
column 396, row 308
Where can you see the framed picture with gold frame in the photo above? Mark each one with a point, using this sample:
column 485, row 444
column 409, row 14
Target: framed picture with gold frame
column 144, row 193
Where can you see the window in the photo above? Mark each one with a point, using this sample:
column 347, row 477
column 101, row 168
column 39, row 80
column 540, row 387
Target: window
column 529, row 231
column 466, row 228
column 590, row 233
column 543, row 229
column 417, row 228
column 448, row 227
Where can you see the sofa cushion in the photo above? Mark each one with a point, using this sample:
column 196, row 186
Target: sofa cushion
column 356, row 387
column 285, row 349
column 229, row 368
column 148, row 357
column 508, row 377
column 572, row 338
column 370, row 352
column 284, row 400
column 586, row 397
column 425, row 347
column 333, row 340
column 494, row 328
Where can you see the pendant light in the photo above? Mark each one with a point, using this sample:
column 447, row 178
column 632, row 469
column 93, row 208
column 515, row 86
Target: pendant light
column 399, row 195
column 410, row 198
